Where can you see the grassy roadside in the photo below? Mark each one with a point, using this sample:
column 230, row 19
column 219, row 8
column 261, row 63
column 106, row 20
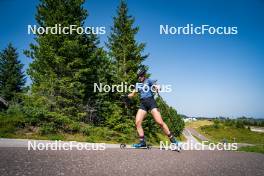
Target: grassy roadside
column 256, row 149
column 197, row 124
column 14, row 127
column 231, row 134
column 216, row 133
column 207, row 142
column 219, row 132
column 80, row 137
column 97, row 134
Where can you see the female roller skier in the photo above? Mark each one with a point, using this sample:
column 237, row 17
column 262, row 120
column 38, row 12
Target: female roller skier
column 148, row 103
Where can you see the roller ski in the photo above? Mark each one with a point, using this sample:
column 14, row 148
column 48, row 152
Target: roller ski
column 141, row 145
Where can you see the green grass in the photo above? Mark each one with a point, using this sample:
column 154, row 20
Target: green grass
column 198, row 139
column 14, row 125
column 9, row 124
column 256, row 149
column 97, row 134
column 198, row 123
column 231, row 134
column 216, row 133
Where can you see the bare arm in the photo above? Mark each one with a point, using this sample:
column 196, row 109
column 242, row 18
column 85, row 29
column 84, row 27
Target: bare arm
column 132, row 94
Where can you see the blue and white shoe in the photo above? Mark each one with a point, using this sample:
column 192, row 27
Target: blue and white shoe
column 174, row 141
column 140, row 145
column 176, row 144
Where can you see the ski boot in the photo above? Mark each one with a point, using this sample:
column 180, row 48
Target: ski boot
column 141, row 144
column 175, row 144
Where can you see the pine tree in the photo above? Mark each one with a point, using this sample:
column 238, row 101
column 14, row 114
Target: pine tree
column 171, row 117
column 126, row 54
column 12, row 78
column 125, row 51
column 65, row 66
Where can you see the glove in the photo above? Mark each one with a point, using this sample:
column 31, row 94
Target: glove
column 125, row 99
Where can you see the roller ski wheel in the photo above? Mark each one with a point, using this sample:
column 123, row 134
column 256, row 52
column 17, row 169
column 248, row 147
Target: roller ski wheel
column 122, row 146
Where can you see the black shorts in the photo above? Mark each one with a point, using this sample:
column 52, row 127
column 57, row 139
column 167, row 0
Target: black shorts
column 148, row 104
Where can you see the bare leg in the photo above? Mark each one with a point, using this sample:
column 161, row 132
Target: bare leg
column 139, row 119
column 157, row 117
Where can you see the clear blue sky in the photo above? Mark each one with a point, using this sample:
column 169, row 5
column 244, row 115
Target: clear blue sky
column 210, row 75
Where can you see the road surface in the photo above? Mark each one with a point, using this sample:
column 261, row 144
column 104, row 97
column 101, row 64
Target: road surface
column 191, row 141
column 195, row 133
column 16, row 159
column 20, row 161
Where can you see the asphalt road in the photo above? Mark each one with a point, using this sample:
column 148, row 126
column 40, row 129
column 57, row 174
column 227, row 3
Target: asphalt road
column 195, row 133
column 20, row 161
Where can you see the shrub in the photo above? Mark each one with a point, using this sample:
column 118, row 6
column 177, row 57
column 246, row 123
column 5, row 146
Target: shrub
column 86, row 130
column 216, row 124
column 73, row 127
column 48, row 128
column 35, row 109
column 117, row 121
column 239, row 124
